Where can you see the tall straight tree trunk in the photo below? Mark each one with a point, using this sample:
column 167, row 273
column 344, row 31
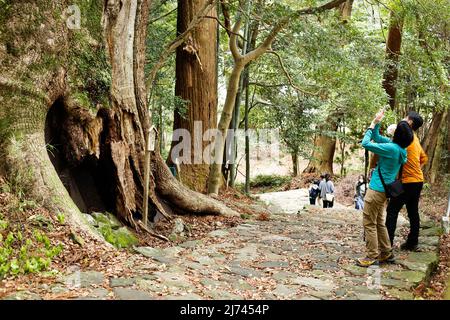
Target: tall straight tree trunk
column 393, row 46
column 196, row 83
column 295, row 163
column 247, row 137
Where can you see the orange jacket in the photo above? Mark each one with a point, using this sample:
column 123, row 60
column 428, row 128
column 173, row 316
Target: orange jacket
column 412, row 171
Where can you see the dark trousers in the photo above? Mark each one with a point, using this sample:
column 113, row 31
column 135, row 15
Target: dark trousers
column 328, row 204
column 312, row 200
column 410, row 198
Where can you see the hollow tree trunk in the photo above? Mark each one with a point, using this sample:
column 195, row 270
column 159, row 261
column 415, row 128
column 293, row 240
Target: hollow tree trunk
column 126, row 134
column 33, row 75
column 196, row 83
column 36, row 64
column 393, row 46
column 324, row 147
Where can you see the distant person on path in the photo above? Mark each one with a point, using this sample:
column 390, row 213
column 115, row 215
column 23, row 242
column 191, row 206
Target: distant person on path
column 314, row 192
column 360, row 192
column 328, row 195
column 412, row 179
column 392, row 155
column 322, row 186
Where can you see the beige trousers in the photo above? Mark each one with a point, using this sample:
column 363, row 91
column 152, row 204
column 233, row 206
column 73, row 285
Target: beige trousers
column 377, row 237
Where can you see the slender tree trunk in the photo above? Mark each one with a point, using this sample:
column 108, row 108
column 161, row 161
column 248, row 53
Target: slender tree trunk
column 247, row 137
column 295, row 163
column 196, row 83
column 215, row 176
column 393, row 46
column 433, row 145
column 234, row 124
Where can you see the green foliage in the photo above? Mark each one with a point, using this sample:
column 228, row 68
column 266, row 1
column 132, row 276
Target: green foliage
column 111, row 230
column 269, row 181
column 61, row 218
column 19, row 256
column 120, row 238
column 24, row 246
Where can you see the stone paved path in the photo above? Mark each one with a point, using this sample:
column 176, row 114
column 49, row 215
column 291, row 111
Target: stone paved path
column 292, row 256
column 290, row 201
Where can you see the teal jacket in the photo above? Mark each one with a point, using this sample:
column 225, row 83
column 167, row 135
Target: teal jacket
column 392, row 156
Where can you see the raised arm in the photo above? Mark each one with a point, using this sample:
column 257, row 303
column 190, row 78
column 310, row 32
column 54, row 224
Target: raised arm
column 386, row 150
column 377, row 137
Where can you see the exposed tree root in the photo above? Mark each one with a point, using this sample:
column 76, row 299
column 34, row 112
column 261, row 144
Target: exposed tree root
column 182, row 198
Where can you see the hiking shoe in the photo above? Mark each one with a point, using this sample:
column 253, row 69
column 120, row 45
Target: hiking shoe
column 408, row 247
column 366, row 262
column 386, row 258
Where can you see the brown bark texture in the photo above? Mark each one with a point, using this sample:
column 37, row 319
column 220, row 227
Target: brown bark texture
column 196, row 83
column 433, row 145
column 97, row 150
column 324, row 148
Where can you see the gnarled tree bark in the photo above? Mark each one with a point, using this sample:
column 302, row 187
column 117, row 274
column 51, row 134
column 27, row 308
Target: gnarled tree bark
column 38, row 83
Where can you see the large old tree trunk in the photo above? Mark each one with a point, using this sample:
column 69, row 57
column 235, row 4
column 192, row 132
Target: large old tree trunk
column 324, row 147
column 34, row 54
column 196, row 83
column 97, row 149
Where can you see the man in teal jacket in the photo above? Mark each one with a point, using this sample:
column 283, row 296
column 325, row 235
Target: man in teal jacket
column 392, row 155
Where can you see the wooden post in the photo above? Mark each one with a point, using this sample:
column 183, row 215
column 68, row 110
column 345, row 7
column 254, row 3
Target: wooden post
column 177, row 166
column 150, row 146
